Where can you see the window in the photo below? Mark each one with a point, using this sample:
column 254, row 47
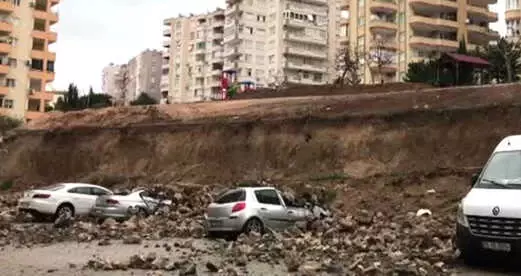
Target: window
column 8, row 103
column 12, row 62
column 10, row 82
column 99, row 192
column 270, row 197
column 80, row 190
column 233, row 196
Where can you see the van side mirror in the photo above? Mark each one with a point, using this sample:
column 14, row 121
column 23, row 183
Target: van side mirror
column 474, row 179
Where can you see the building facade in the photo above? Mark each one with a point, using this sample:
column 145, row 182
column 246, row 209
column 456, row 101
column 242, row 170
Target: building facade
column 513, row 17
column 26, row 63
column 142, row 74
column 292, row 41
column 405, row 31
column 193, row 57
column 110, row 80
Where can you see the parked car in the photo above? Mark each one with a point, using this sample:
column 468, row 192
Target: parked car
column 489, row 216
column 66, row 198
column 252, row 209
column 141, row 202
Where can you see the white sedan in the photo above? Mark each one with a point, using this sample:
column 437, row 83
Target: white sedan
column 74, row 199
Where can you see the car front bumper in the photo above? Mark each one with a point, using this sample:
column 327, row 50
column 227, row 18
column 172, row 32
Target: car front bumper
column 468, row 242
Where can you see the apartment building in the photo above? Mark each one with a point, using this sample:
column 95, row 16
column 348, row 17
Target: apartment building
column 193, row 57
column 405, row 31
column 272, row 41
column 26, row 63
column 110, row 80
column 142, row 74
column 513, row 17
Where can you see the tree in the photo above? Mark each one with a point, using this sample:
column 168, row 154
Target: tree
column 505, row 60
column 144, row 99
column 348, row 65
column 429, row 72
column 379, row 57
column 72, row 101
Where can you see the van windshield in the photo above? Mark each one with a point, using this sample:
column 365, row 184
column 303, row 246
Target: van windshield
column 503, row 171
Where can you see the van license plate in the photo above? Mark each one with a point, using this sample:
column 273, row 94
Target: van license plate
column 216, row 223
column 497, row 246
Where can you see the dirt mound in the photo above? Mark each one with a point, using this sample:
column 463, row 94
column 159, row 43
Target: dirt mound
column 328, row 90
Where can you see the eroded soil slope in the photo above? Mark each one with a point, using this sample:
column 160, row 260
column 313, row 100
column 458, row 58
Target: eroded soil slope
column 393, row 133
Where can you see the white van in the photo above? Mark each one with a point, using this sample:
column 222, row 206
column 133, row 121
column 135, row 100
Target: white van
column 489, row 216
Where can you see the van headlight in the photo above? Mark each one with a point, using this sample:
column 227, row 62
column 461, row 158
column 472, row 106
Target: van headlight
column 461, row 218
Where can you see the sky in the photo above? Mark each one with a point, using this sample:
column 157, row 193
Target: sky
column 94, row 33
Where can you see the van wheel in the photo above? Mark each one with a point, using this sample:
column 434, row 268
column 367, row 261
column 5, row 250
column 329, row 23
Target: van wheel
column 253, row 225
column 470, row 258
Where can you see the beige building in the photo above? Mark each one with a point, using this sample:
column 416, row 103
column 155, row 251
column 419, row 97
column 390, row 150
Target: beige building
column 405, row 31
column 26, row 64
column 192, row 60
column 142, row 74
column 513, row 18
column 268, row 42
column 110, row 80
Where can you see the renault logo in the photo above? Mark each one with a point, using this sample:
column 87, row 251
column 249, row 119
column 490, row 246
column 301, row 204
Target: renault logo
column 495, row 211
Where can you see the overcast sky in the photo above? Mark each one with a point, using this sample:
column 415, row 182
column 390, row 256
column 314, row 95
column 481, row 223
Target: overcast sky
column 93, row 33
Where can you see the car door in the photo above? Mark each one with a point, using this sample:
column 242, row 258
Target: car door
column 271, row 208
column 81, row 198
column 95, row 192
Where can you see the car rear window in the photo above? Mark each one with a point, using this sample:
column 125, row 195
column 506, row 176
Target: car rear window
column 267, row 197
column 53, row 187
column 233, row 196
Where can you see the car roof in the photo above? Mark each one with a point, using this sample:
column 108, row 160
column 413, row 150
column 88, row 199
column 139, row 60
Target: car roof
column 74, row 185
column 509, row 143
column 253, row 189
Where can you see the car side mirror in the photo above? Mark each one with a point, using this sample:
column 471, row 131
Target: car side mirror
column 474, row 178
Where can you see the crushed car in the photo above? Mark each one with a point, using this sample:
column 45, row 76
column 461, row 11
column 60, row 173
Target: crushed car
column 253, row 209
column 141, row 202
column 64, row 199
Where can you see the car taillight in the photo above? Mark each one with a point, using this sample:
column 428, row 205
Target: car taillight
column 41, row 196
column 112, row 201
column 239, row 207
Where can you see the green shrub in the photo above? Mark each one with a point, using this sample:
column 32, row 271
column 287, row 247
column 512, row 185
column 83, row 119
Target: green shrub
column 6, row 185
column 8, row 123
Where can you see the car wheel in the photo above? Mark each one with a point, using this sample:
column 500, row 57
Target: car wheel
column 469, row 258
column 253, row 225
column 65, row 209
column 142, row 213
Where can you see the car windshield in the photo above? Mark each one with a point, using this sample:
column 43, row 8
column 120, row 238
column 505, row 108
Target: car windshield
column 503, row 171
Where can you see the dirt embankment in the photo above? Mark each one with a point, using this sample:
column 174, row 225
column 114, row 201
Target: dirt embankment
column 323, row 139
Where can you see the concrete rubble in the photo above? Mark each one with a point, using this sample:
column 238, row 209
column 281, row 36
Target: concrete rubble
column 331, row 242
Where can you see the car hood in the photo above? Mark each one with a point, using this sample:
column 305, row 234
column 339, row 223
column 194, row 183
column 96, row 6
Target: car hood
column 480, row 202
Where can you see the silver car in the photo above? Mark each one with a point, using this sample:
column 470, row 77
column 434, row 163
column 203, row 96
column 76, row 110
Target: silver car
column 252, row 209
column 140, row 202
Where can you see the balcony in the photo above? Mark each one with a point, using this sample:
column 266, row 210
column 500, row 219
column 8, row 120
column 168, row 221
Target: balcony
column 435, row 6
column 45, row 75
column 344, row 40
column 481, row 14
column 167, row 32
column 216, row 72
column 290, row 36
column 433, row 43
column 315, row 2
column 484, row 31
column 513, row 14
column 49, row 36
column 317, row 54
column 6, row 7
column 4, row 90
column 46, row 15
column 382, row 26
column 433, row 24
column 4, row 69
column 385, row 44
column 232, row 53
column 306, row 67
column 385, row 6
column 5, row 48
column 41, row 95
column 296, row 23
column 44, row 55
column 166, row 43
column 232, row 39
column 6, row 26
